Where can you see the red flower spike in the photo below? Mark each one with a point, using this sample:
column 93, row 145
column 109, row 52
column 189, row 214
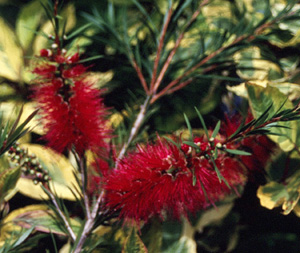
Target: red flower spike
column 71, row 108
column 80, row 122
column 157, row 180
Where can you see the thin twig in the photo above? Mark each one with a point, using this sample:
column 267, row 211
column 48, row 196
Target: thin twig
column 88, row 226
column 140, row 75
column 170, row 91
column 82, row 169
column 160, row 47
column 81, row 163
column 62, row 216
column 177, row 43
column 197, row 66
column 134, row 130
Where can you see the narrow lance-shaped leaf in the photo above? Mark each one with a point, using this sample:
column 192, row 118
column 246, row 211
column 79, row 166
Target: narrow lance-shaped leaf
column 189, row 127
column 216, row 130
column 237, row 152
column 202, row 122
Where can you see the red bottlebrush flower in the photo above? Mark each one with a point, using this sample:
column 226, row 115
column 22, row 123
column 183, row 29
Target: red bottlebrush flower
column 158, row 180
column 79, row 121
column 72, row 109
column 88, row 111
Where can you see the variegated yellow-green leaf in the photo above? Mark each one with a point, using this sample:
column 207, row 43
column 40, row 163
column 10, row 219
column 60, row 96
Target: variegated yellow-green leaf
column 292, row 90
column 133, row 243
column 10, row 111
column 11, row 56
column 251, row 66
column 8, row 180
column 260, row 99
column 8, row 229
column 6, row 90
column 272, row 195
column 181, row 246
column 60, row 171
column 38, row 216
column 27, row 23
column 42, row 219
column 275, row 194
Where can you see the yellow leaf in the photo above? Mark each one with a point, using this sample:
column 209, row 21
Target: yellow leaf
column 296, row 209
column 34, row 124
column 27, row 22
column 11, row 57
column 60, row 171
column 99, row 79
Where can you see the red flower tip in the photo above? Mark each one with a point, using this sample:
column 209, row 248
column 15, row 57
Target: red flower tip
column 186, row 149
column 47, row 71
column 45, row 53
column 60, row 59
column 76, row 71
column 73, row 59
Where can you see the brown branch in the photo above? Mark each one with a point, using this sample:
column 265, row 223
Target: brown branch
column 140, row 75
column 177, row 43
column 201, row 63
column 134, row 130
column 88, row 226
column 160, row 46
column 170, row 91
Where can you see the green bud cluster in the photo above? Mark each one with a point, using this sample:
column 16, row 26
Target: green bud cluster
column 29, row 164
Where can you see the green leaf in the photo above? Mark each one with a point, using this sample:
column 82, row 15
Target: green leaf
column 189, row 126
column 133, row 243
column 237, row 152
column 173, row 142
column 216, row 130
column 180, row 246
column 202, row 122
column 191, row 143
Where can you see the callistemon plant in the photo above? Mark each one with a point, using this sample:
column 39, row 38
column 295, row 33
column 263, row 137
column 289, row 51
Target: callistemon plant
column 197, row 105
